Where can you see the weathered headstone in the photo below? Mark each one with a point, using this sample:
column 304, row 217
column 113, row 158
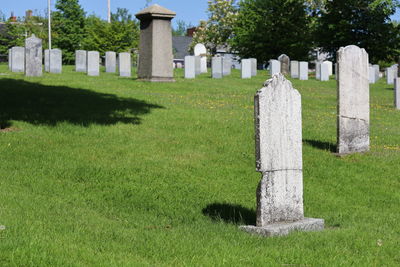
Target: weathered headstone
column 279, row 159
column 303, row 72
column 226, row 66
column 18, row 59
column 81, row 61
column 47, row 60
column 371, row 74
column 353, row 100
column 155, row 44
column 246, row 68
column 93, row 63
column 390, row 75
column 397, row 93
column 125, row 64
column 376, row 68
column 253, row 66
column 201, row 51
column 330, row 67
column 10, row 59
column 111, row 62
column 324, row 71
column 216, row 67
column 285, row 64
column 318, row 70
column 274, row 67
column 197, row 65
column 190, row 67
column 33, row 57
column 55, row 58
column 294, row 69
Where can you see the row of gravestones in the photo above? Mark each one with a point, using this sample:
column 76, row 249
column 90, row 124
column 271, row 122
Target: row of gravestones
column 278, row 125
column 89, row 62
column 28, row 59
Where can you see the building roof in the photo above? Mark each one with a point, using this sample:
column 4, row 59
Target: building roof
column 181, row 44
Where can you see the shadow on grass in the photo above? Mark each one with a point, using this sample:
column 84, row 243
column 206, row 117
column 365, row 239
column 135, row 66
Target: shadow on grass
column 230, row 213
column 49, row 105
column 321, row 145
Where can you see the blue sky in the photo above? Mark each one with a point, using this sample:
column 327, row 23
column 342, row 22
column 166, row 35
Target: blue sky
column 190, row 11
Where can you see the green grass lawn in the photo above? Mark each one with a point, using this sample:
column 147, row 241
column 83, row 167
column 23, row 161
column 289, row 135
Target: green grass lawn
column 110, row 171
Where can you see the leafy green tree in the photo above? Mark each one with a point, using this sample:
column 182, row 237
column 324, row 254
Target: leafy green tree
column 121, row 35
column 68, row 28
column 218, row 29
column 267, row 28
column 181, row 28
column 365, row 23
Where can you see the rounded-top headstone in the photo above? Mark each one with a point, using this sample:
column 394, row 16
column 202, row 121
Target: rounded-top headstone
column 200, row 50
column 285, row 63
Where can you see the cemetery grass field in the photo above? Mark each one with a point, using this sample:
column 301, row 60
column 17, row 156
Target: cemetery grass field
column 110, row 171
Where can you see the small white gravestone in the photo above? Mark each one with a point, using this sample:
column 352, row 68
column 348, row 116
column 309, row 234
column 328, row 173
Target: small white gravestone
column 330, row 67
column 47, row 60
column 81, row 61
column 190, row 67
column 33, row 57
column 318, row 70
column 390, row 75
column 294, row 69
column 93, row 63
column 226, row 66
column 201, row 51
column 303, row 73
column 371, row 74
column 111, row 62
column 55, row 58
column 253, row 66
column 246, row 68
column 324, row 71
column 216, row 67
column 397, row 93
column 353, row 100
column 18, row 59
column 279, row 159
column 376, row 68
column 124, row 64
column 274, row 67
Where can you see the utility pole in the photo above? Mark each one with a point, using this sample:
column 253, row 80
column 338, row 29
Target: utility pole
column 49, row 13
column 109, row 11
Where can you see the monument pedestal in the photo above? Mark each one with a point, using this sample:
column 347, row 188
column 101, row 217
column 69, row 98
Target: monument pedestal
column 284, row 228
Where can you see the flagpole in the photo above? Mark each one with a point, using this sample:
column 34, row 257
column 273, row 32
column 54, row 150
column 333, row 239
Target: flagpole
column 109, row 11
column 49, row 14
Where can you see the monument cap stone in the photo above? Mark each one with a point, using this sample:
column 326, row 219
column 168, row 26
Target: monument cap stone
column 155, row 11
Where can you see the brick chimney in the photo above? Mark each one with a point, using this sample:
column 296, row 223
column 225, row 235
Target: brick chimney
column 13, row 18
column 28, row 14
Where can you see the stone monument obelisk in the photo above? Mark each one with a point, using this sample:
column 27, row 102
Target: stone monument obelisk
column 155, row 47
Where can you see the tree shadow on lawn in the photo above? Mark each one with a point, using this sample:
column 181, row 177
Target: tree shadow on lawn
column 230, row 213
column 48, row 105
column 321, row 145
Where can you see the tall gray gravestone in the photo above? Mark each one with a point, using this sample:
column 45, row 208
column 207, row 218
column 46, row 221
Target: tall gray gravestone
column 253, row 66
column 111, row 62
column 226, row 66
column 303, row 70
column 47, row 60
column 278, row 126
column 246, row 68
column 371, row 74
column 376, row 68
column 330, row 67
column 353, row 100
column 33, row 57
column 155, row 48
column 190, row 65
column 93, row 63
column 216, row 67
column 55, row 58
column 294, row 69
column 197, row 65
column 318, row 70
column 125, row 64
column 285, row 64
column 18, row 59
column 81, row 61
column 390, row 75
column 274, row 67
